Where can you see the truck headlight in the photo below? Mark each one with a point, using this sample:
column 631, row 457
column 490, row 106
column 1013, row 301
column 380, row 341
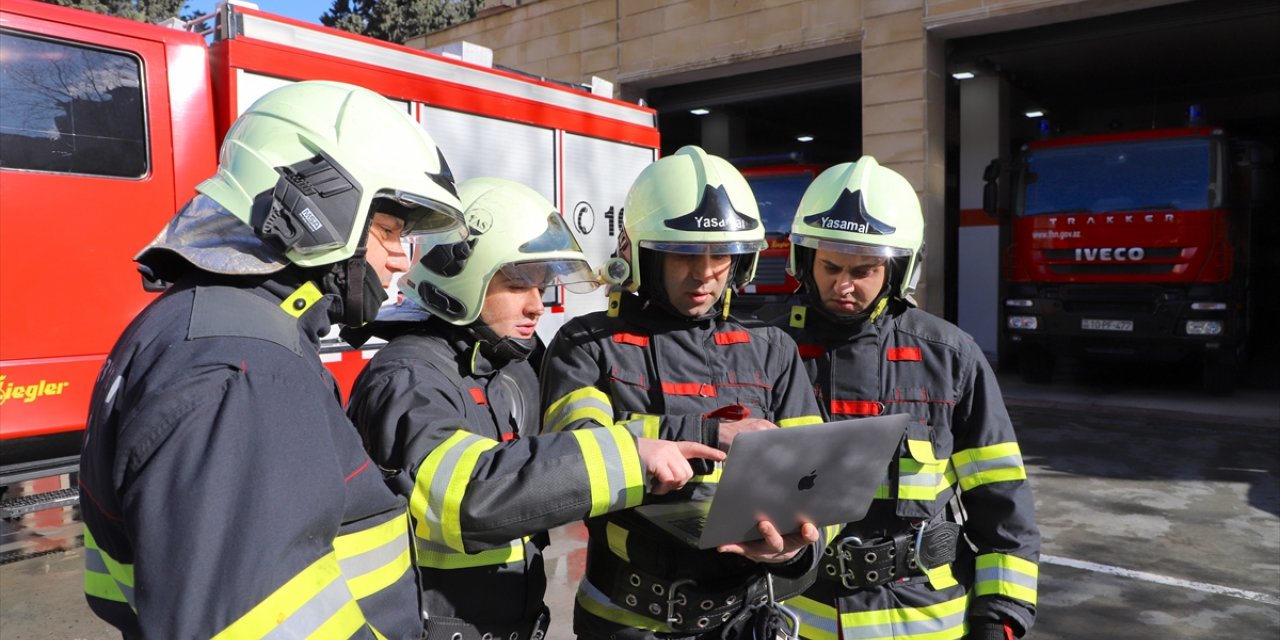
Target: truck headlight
column 1024, row 323
column 1204, row 327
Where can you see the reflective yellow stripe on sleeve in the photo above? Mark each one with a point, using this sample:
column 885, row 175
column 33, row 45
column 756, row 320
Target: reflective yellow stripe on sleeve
column 1006, row 575
column 613, row 468
column 438, row 556
column 440, row 486
column 587, row 403
column 985, row 465
column 103, row 576
column 375, row 558
column 643, row 425
column 313, row 603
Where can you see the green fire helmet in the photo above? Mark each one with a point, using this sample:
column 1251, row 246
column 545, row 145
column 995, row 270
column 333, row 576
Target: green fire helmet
column 689, row 202
column 512, row 229
column 859, row 208
column 308, row 163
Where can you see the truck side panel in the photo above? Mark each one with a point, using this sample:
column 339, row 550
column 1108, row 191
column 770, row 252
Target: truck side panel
column 107, row 124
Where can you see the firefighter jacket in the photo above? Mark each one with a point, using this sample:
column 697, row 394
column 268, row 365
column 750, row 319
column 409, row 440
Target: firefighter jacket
column 960, row 441
column 660, row 377
column 224, row 493
column 454, row 430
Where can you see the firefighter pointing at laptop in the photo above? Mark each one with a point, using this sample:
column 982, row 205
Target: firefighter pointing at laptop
column 669, row 360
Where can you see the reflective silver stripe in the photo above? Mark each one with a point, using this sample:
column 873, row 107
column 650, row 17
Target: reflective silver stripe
column 1005, row 574
column 440, row 478
column 974, row 467
column 594, row 404
column 95, row 560
column 905, row 629
column 814, row 621
column 373, row 559
column 308, row 618
column 614, row 472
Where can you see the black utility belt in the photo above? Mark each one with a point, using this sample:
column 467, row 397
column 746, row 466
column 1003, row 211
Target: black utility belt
column 441, row 628
column 681, row 602
column 856, row 564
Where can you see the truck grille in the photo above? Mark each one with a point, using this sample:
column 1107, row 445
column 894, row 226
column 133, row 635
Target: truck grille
column 1109, row 300
column 1063, row 262
column 771, row 270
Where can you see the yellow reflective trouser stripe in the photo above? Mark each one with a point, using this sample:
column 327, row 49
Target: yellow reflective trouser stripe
column 942, row 621
column 799, row 421
column 617, row 538
column 103, row 576
column 817, row 620
column 374, row 558
column 613, row 468
column 984, row 465
column 643, row 425
column 587, row 403
column 315, row 603
column 1006, row 575
column 441, row 484
column 922, row 481
column 437, row 556
column 598, row 604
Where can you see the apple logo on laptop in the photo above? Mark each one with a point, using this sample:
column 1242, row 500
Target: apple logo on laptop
column 806, row 482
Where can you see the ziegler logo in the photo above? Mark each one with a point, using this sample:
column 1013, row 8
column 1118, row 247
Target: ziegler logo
column 29, row 392
column 1110, row 254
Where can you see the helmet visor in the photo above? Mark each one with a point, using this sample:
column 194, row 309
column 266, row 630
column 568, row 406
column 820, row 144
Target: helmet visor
column 852, row 248
column 574, row 275
column 734, row 248
column 557, row 237
column 422, row 215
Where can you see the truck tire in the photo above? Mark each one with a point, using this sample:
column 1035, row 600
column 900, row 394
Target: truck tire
column 1036, row 365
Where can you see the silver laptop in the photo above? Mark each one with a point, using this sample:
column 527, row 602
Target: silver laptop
column 823, row 473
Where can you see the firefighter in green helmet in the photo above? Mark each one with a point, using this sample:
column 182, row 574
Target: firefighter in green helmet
column 449, row 410
column 916, row 566
column 224, row 492
column 668, row 360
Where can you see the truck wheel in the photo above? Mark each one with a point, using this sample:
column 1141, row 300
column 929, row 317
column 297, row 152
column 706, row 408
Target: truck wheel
column 1036, row 365
column 1219, row 374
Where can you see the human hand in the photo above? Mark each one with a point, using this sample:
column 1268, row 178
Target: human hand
column 667, row 462
column 775, row 547
column 728, row 430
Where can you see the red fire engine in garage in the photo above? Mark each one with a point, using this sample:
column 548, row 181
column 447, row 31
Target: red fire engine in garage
column 778, row 183
column 107, row 125
column 1132, row 245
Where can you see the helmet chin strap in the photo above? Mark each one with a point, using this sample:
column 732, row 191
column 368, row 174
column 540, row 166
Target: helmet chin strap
column 870, row 312
column 355, row 282
column 501, row 347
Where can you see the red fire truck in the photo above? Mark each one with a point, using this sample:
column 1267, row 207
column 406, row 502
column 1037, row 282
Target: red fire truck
column 107, row 125
column 778, row 183
column 1132, row 245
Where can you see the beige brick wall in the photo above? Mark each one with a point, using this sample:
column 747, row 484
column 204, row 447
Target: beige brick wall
column 902, row 43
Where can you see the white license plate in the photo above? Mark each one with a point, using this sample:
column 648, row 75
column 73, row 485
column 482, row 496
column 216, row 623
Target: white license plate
column 1090, row 324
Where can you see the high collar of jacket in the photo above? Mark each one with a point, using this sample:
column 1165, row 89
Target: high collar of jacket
column 314, row 323
column 662, row 317
column 475, row 361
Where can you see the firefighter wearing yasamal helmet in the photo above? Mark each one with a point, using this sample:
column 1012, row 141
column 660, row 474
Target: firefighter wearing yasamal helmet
column 225, row 493
column 448, row 410
column 667, row 360
column 917, row 566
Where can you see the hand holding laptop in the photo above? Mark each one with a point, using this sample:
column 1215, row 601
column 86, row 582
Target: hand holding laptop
column 667, row 463
column 774, row 547
column 728, row 430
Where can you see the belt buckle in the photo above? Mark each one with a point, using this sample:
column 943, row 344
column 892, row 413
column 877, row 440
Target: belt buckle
column 848, row 577
column 672, row 601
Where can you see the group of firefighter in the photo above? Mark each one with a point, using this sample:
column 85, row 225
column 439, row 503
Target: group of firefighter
column 227, row 492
